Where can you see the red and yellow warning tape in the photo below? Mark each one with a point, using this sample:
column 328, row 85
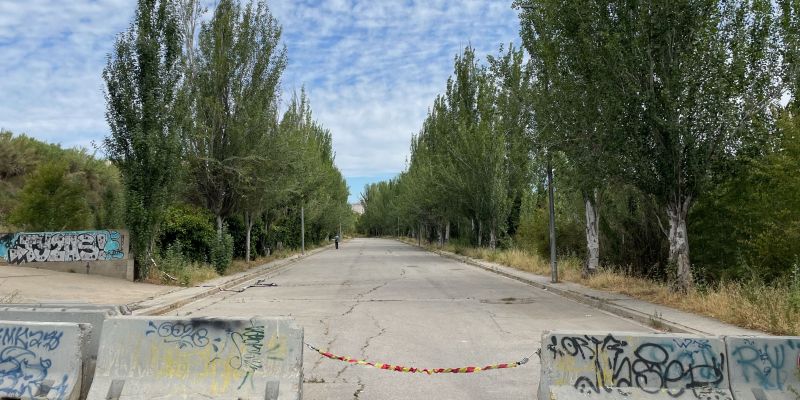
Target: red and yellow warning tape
column 429, row 371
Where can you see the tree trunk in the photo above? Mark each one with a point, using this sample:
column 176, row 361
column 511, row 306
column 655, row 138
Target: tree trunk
column 419, row 235
column 447, row 232
column 248, row 221
column 219, row 226
column 592, row 233
column 677, row 211
column 439, row 235
column 267, row 250
column 492, row 237
column 480, row 232
column 302, row 228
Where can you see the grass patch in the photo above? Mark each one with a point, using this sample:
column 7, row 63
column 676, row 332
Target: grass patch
column 751, row 304
column 173, row 268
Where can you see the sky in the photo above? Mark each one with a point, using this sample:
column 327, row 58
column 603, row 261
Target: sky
column 371, row 68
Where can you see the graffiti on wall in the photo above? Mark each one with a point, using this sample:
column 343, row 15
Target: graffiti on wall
column 676, row 366
column 28, row 247
column 771, row 364
column 25, row 363
column 236, row 349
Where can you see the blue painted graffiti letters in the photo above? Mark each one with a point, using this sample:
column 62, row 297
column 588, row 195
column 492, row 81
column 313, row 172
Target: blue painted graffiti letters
column 185, row 335
column 767, row 364
column 26, row 338
column 25, row 363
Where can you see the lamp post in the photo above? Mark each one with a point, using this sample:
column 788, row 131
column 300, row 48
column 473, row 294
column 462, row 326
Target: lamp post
column 551, row 206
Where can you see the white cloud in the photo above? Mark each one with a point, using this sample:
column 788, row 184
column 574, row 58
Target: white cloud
column 371, row 67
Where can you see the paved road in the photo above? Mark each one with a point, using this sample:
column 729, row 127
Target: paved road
column 389, row 302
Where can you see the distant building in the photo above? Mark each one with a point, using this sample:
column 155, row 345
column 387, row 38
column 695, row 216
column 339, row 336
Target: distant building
column 358, row 208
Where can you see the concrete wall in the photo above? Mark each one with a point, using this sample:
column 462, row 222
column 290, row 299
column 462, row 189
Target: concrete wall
column 41, row 360
column 182, row 358
column 630, row 365
column 764, row 368
column 104, row 252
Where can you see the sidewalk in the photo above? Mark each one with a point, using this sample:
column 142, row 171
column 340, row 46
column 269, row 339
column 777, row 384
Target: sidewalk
column 657, row 316
column 34, row 285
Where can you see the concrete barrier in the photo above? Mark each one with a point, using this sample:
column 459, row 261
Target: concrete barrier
column 632, row 365
column 41, row 360
column 89, row 316
column 183, row 358
column 113, row 309
column 764, row 367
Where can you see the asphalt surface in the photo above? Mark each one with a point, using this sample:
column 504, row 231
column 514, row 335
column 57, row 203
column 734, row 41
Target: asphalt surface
column 389, row 302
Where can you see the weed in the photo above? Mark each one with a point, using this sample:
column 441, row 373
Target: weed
column 9, row 298
column 656, row 321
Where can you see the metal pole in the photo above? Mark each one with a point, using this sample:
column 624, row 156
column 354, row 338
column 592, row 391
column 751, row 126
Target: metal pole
column 303, row 228
column 553, row 262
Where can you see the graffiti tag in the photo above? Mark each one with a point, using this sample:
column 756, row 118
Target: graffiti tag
column 19, row 248
column 672, row 366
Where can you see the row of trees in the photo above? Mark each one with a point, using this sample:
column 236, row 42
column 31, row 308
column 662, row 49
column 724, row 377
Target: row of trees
column 194, row 112
column 470, row 163
column 657, row 113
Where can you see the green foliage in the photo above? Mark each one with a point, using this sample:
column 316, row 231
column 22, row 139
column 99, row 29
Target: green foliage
column 222, row 251
column 175, row 268
column 143, row 77
column 52, row 199
column 192, row 229
column 752, row 216
column 470, row 162
column 24, row 158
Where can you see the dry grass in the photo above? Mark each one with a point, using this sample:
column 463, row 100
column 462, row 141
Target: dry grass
column 10, row 297
column 241, row 266
column 189, row 275
column 752, row 305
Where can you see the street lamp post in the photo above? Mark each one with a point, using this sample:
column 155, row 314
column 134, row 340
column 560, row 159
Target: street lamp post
column 553, row 261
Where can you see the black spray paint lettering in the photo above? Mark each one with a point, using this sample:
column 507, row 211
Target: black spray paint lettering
column 63, row 247
column 672, row 367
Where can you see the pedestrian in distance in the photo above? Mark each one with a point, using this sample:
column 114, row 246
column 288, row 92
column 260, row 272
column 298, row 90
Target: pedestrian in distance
column 336, row 241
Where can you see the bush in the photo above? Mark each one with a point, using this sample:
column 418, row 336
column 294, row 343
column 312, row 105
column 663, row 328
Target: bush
column 174, row 267
column 192, row 229
column 222, row 251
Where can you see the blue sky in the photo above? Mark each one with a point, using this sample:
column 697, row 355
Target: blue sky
column 371, row 68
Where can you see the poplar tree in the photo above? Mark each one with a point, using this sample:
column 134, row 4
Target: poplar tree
column 143, row 76
column 236, row 78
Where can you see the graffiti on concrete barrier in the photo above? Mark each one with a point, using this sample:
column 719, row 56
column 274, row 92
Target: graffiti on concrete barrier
column 767, row 363
column 248, row 344
column 238, row 349
column 28, row 247
column 675, row 366
column 24, row 337
column 25, row 364
column 185, row 335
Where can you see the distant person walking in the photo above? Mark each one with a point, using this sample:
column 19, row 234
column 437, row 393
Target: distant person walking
column 336, row 241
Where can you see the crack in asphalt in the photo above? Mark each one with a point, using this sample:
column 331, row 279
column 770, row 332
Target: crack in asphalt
column 493, row 316
column 381, row 331
column 361, row 387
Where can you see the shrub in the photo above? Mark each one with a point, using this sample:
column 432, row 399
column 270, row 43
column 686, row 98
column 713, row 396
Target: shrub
column 192, row 228
column 222, row 251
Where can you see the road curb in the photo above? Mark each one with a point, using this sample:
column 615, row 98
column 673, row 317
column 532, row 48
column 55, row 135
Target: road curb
column 140, row 307
column 600, row 304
